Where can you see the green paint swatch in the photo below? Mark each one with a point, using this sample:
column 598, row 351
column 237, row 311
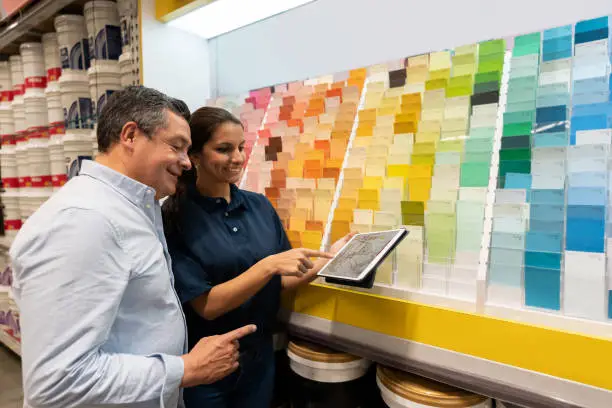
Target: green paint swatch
column 523, row 82
column 491, row 47
column 479, row 145
column 514, row 154
column 482, row 133
column 474, row 174
column 448, row 157
column 458, row 91
column 518, row 117
column 514, row 166
column 527, row 61
column 490, row 76
column 482, row 157
column 491, row 65
column 521, row 95
column 521, row 106
column 517, row 129
column 485, row 87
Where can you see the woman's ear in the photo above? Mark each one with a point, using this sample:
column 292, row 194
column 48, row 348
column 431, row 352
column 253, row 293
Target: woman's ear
column 195, row 161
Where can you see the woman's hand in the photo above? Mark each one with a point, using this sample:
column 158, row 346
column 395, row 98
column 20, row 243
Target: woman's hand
column 337, row 246
column 294, row 262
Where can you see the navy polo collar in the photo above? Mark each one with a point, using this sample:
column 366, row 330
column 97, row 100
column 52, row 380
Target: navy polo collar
column 211, row 204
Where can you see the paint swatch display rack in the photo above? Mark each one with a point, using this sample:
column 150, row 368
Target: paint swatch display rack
column 495, row 156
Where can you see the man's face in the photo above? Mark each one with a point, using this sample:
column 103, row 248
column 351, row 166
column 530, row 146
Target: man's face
column 160, row 160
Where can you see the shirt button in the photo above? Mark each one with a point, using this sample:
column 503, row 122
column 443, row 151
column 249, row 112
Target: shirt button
column 235, row 229
column 148, row 205
column 218, row 200
column 227, row 214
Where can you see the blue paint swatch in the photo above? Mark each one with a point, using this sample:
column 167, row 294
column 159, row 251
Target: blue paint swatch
column 543, row 288
column 544, row 242
column 543, row 260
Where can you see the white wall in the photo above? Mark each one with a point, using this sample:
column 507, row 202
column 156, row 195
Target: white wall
column 174, row 61
column 336, row 35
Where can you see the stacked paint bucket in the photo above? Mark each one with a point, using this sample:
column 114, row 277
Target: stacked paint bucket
column 36, row 118
column 128, row 15
column 74, row 52
column 8, row 155
column 21, row 134
column 104, row 75
column 55, row 111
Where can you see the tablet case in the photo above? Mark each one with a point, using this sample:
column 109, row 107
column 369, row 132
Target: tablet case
column 368, row 281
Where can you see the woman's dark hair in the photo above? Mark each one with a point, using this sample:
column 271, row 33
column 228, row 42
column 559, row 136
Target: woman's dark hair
column 203, row 123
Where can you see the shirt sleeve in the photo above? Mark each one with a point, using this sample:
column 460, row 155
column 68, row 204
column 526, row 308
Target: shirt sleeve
column 190, row 279
column 71, row 277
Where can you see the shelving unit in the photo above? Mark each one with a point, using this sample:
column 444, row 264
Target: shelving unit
column 29, row 23
column 512, row 361
column 497, row 343
column 10, row 342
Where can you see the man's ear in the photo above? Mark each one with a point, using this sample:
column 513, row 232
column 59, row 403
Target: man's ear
column 128, row 134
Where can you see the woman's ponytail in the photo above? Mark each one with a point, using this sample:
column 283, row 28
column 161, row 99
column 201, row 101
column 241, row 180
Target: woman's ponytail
column 203, row 123
column 171, row 209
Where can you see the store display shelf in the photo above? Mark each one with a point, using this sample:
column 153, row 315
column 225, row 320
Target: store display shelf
column 529, row 316
column 510, row 360
column 5, row 243
column 33, row 20
column 10, row 342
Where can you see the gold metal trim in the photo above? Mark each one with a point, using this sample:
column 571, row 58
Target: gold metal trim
column 424, row 391
column 322, row 354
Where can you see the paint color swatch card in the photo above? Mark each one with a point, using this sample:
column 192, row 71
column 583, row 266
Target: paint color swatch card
column 511, row 215
column 585, row 275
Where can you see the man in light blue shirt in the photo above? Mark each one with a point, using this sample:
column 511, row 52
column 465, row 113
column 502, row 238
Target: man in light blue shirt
column 101, row 322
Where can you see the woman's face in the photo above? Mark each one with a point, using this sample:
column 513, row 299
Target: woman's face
column 222, row 157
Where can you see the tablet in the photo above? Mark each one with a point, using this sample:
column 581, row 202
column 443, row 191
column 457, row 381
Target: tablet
column 363, row 253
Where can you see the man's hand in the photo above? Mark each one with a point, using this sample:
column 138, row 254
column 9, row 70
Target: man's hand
column 214, row 357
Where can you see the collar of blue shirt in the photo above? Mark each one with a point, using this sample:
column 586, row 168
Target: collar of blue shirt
column 213, row 203
column 138, row 193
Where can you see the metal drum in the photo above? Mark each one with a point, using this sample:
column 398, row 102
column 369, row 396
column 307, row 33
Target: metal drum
column 325, row 378
column 404, row 390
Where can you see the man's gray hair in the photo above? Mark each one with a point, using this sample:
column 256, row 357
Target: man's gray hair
column 146, row 107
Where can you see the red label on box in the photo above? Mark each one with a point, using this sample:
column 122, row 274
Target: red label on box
column 12, row 224
column 21, row 136
column 36, row 82
column 18, row 89
column 6, row 96
column 38, row 133
column 7, row 140
column 42, row 181
column 57, row 128
column 10, row 182
column 25, row 182
column 59, row 180
column 53, row 74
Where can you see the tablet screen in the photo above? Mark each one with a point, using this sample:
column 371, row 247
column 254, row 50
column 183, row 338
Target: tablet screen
column 354, row 259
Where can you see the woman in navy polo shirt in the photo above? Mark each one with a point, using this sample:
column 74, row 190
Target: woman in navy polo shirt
column 231, row 258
